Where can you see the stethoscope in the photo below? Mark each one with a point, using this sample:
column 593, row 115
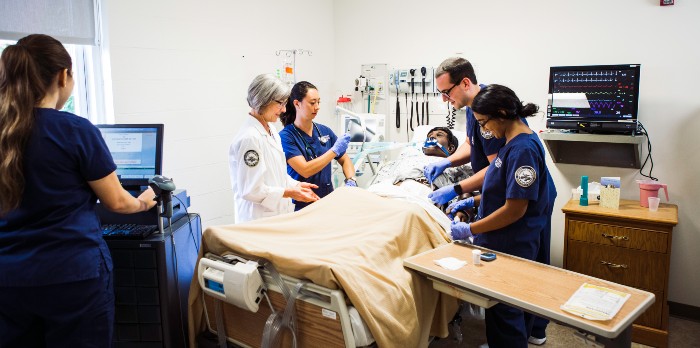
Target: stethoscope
column 308, row 150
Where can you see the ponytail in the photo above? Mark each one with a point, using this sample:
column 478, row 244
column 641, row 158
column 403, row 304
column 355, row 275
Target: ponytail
column 27, row 70
column 497, row 101
column 528, row 110
column 290, row 113
column 299, row 91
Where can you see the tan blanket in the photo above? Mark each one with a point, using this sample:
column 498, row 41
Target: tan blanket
column 355, row 241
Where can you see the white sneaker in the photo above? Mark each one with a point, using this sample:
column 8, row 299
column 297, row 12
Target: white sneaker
column 537, row 341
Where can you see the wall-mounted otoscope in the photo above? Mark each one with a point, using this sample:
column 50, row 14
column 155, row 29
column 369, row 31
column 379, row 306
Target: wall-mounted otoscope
column 163, row 187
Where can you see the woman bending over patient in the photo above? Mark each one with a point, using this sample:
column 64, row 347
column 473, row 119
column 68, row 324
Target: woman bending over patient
column 309, row 146
column 515, row 207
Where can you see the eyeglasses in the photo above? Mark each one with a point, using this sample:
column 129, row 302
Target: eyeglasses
column 484, row 123
column 282, row 103
column 446, row 93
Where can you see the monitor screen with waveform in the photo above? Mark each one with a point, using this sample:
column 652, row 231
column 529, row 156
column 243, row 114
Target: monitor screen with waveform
column 594, row 93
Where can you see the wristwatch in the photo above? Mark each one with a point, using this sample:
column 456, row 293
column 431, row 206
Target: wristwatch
column 352, row 178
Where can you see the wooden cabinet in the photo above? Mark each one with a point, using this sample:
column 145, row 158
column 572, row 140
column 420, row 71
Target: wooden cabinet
column 630, row 246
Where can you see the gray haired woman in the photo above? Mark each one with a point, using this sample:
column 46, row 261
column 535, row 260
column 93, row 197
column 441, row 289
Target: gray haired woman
column 261, row 186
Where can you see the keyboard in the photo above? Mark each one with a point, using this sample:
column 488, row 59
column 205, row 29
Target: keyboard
column 127, row 231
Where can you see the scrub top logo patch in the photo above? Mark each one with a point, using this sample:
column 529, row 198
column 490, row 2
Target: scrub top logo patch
column 251, row 158
column 498, row 163
column 525, row 176
column 486, row 134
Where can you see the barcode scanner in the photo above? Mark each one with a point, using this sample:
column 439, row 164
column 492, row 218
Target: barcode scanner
column 163, row 188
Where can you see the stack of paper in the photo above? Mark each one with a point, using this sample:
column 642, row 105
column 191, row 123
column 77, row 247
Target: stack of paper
column 595, row 302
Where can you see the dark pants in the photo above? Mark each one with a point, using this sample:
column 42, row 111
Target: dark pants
column 76, row 314
column 507, row 327
column 543, row 255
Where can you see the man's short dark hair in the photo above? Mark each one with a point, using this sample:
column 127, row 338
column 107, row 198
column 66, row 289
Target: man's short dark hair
column 458, row 68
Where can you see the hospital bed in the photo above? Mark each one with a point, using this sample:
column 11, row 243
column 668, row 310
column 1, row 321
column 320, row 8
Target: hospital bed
column 350, row 247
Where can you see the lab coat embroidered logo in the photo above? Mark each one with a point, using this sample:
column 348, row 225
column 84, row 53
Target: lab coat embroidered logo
column 486, row 134
column 251, row 158
column 525, row 176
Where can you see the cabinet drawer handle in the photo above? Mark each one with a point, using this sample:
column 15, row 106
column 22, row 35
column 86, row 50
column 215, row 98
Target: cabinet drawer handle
column 615, row 237
column 613, row 265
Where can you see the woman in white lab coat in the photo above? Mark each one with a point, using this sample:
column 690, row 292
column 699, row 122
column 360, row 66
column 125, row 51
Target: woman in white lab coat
column 261, row 186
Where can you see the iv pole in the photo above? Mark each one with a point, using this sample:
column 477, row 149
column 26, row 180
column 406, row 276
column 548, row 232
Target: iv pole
column 293, row 53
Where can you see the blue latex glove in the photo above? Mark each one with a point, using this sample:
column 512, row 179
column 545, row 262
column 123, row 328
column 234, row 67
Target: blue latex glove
column 461, row 230
column 341, row 144
column 460, row 205
column 350, row 183
column 443, row 194
column 431, row 171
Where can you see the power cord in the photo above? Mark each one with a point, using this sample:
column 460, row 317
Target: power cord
column 648, row 158
column 189, row 220
column 175, row 263
column 177, row 280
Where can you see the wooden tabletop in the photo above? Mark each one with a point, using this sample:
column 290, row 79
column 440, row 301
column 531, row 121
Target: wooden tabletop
column 531, row 286
column 629, row 209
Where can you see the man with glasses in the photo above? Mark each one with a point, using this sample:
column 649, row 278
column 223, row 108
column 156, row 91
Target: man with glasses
column 456, row 81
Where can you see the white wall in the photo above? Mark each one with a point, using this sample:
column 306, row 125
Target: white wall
column 188, row 64
column 514, row 42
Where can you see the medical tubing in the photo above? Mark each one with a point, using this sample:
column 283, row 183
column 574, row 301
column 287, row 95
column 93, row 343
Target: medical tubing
column 220, row 327
column 398, row 112
column 411, row 124
column 275, row 322
column 417, row 116
column 427, row 111
column 407, row 134
column 451, row 116
column 278, row 321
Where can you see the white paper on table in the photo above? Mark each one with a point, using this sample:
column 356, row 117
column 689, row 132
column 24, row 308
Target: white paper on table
column 595, row 302
column 450, row 263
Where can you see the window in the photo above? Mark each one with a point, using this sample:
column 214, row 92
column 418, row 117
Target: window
column 88, row 98
column 81, row 32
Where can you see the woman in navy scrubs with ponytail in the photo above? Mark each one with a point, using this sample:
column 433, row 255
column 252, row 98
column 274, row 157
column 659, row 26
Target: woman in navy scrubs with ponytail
column 309, row 147
column 515, row 208
column 55, row 269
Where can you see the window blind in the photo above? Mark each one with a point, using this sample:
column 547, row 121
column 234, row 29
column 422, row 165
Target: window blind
column 69, row 21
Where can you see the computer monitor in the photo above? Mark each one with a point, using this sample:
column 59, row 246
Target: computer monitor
column 594, row 98
column 137, row 150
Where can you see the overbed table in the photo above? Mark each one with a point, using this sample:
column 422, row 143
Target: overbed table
column 530, row 286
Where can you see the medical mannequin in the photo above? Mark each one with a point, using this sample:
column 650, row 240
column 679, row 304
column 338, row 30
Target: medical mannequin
column 55, row 268
column 261, row 186
column 407, row 171
column 515, row 209
column 309, row 147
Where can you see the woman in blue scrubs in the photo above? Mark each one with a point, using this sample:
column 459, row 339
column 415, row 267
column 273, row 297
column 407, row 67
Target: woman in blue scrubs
column 55, row 269
column 515, row 207
column 309, row 147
